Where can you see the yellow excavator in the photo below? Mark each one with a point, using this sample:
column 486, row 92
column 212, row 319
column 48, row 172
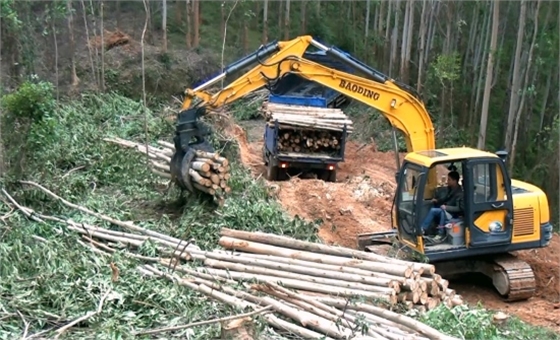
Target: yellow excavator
column 500, row 215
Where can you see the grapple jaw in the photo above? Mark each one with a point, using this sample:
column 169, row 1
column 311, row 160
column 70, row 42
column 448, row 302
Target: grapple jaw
column 189, row 136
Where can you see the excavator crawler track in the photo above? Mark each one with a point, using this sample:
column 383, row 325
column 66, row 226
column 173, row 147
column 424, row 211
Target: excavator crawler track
column 513, row 278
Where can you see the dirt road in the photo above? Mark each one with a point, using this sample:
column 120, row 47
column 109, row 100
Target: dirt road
column 361, row 201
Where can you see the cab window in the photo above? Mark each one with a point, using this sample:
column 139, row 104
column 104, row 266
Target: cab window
column 410, row 186
column 484, row 183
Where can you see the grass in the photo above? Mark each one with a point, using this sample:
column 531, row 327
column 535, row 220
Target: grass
column 47, row 278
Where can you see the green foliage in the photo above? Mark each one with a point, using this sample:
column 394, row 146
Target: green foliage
column 51, row 279
column 32, row 101
column 447, row 67
column 477, row 323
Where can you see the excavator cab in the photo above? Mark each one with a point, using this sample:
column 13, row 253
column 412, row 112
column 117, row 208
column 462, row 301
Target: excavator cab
column 485, row 221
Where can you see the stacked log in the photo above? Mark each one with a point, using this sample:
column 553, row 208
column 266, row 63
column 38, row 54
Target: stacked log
column 209, row 172
column 304, row 129
column 309, row 141
column 312, row 285
column 321, row 268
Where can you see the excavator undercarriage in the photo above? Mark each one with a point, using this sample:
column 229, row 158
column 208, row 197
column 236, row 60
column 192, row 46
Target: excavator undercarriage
column 512, row 278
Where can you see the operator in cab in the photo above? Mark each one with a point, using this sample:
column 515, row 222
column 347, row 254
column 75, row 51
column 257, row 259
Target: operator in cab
column 447, row 207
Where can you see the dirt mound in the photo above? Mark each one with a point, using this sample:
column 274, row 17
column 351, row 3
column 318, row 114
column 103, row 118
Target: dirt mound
column 111, row 40
column 546, row 266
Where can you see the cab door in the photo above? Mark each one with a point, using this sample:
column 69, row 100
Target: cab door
column 488, row 203
column 412, row 180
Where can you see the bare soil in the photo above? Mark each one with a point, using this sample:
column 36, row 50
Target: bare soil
column 360, row 201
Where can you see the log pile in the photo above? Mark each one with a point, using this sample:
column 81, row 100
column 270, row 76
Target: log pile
column 343, row 271
column 306, row 117
column 209, row 173
column 327, row 292
column 307, row 129
column 309, row 141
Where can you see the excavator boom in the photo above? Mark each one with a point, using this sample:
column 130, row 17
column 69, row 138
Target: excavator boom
column 397, row 102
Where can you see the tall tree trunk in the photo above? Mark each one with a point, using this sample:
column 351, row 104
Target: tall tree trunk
column 516, row 82
column 404, row 41
column 97, row 58
column 434, row 12
column 525, row 85
column 55, row 41
column 178, row 12
column 303, row 22
column 265, row 23
column 287, row 21
column 90, row 50
column 222, row 21
column 146, row 22
column 164, row 24
column 196, row 23
column 70, row 16
column 394, row 39
column 118, row 14
column 421, row 47
column 487, row 85
column 545, row 101
column 408, row 47
column 368, row 11
column 480, row 62
column 246, row 36
column 386, row 43
column 280, row 17
column 188, row 37
column 102, row 77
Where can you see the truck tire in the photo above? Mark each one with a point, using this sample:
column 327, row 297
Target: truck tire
column 271, row 172
column 265, row 160
column 332, row 176
column 328, row 175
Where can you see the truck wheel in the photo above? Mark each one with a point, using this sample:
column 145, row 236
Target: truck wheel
column 328, row 175
column 265, row 160
column 332, row 176
column 271, row 172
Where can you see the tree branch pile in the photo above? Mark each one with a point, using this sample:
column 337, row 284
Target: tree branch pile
column 321, row 289
column 208, row 172
column 307, row 129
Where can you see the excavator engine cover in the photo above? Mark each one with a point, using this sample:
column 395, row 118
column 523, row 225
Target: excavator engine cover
column 189, row 136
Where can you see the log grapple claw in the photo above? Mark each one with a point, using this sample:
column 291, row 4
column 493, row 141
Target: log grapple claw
column 189, row 136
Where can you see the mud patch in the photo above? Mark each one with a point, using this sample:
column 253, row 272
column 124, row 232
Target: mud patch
column 546, row 266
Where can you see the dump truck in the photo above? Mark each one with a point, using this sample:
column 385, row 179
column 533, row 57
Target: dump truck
column 295, row 95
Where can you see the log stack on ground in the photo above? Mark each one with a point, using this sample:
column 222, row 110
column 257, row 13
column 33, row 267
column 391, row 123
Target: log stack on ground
column 305, row 129
column 321, row 269
column 312, row 285
column 209, row 173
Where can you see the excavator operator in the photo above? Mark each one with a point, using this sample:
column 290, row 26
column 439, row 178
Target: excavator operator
column 446, row 208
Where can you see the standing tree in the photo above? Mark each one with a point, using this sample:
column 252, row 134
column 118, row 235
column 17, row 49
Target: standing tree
column 70, row 18
column 525, row 84
column 516, row 81
column 489, row 71
column 265, row 23
column 164, row 23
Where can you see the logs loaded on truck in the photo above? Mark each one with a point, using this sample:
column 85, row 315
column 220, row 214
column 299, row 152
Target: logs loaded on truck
column 303, row 137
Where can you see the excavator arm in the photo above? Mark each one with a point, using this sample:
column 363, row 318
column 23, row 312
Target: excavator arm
column 190, row 133
column 397, row 102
